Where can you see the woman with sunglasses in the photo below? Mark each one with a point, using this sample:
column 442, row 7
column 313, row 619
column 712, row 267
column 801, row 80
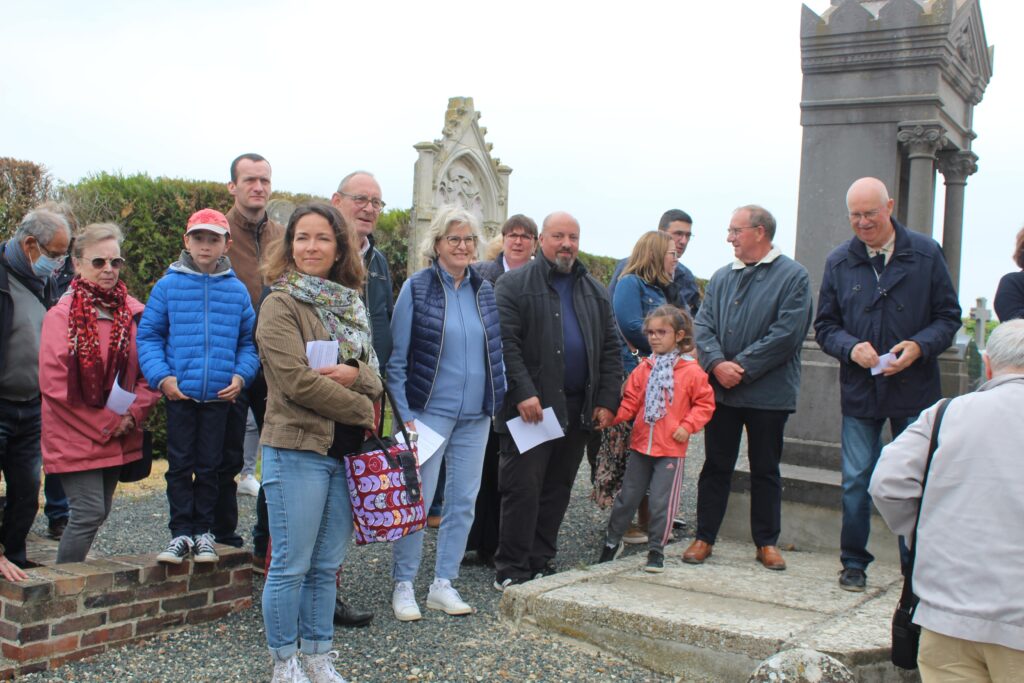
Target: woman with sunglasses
column 88, row 343
column 446, row 371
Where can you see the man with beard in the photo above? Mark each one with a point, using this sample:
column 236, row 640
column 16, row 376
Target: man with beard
column 561, row 351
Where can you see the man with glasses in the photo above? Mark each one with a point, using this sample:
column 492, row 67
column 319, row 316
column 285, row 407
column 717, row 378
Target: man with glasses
column 886, row 310
column 749, row 332
column 683, row 291
column 561, row 351
column 358, row 199
column 27, row 289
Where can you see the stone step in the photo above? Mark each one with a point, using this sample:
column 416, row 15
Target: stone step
column 720, row 619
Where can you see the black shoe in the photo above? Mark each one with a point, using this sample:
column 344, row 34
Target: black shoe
column 56, row 528
column 501, row 583
column 349, row 616
column 548, row 569
column 852, row 579
column 678, row 523
column 655, row 562
column 610, row 552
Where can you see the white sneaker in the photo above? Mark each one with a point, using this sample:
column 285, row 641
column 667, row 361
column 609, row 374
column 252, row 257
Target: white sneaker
column 289, row 672
column 444, row 597
column 403, row 602
column 321, row 668
column 248, row 486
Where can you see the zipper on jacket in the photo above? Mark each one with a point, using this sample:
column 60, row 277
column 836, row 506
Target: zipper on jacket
column 487, row 354
column 206, row 336
column 440, row 349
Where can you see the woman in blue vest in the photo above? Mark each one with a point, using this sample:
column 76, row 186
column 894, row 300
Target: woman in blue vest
column 446, row 371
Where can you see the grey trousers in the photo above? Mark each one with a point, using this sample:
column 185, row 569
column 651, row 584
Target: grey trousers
column 250, row 445
column 663, row 477
column 90, row 494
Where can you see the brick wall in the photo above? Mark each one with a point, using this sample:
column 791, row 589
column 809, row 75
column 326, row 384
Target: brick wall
column 71, row 611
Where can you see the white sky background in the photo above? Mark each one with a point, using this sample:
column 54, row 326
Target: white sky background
column 612, row 112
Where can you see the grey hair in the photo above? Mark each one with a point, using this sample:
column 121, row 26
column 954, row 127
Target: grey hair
column 1005, row 348
column 352, row 175
column 760, row 216
column 445, row 217
column 43, row 225
column 95, row 233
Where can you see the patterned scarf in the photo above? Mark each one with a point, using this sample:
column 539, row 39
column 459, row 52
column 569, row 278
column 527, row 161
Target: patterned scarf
column 339, row 308
column 660, row 386
column 88, row 382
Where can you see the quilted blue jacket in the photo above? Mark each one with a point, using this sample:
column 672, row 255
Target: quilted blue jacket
column 198, row 328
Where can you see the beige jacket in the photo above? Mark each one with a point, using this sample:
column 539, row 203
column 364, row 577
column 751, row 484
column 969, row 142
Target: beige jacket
column 303, row 405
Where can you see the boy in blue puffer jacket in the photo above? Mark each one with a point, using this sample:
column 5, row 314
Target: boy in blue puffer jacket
column 195, row 345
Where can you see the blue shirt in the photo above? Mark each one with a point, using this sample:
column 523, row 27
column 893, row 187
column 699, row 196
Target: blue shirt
column 458, row 390
column 574, row 348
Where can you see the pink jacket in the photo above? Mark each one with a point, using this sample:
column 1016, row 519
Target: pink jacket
column 77, row 438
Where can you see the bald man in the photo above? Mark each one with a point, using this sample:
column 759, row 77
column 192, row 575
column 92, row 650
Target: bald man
column 886, row 310
column 561, row 351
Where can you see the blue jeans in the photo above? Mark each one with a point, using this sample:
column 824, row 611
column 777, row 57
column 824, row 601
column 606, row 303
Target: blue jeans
column 463, row 453
column 57, row 506
column 20, row 461
column 311, row 523
column 861, row 446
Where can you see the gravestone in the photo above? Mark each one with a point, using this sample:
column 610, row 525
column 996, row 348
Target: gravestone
column 457, row 169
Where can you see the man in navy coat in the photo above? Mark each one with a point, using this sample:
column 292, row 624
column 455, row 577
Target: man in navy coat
column 886, row 310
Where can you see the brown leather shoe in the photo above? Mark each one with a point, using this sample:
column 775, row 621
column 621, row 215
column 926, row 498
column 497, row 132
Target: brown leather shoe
column 771, row 558
column 697, row 552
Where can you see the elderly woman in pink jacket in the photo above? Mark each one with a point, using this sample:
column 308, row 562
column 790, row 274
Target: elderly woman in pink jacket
column 88, row 342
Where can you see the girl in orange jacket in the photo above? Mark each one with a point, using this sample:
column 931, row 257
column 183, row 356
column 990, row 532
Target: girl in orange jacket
column 668, row 398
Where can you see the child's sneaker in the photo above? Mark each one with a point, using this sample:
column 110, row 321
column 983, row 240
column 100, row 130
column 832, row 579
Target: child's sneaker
column 205, row 552
column 176, row 551
column 655, row 562
column 610, row 552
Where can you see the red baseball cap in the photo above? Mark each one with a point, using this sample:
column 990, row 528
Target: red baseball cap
column 210, row 220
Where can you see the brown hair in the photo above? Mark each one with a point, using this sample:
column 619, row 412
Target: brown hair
column 678, row 320
column 1018, row 252
column 348, row 267
column 648, row 258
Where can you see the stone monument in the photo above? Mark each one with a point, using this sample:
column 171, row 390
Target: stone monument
column 457, row 169
column 889, row 91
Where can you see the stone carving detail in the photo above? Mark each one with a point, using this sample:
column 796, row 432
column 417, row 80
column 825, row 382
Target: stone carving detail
column 459, row 186
column 965, row 48
column 957, row 165
column 922, row 139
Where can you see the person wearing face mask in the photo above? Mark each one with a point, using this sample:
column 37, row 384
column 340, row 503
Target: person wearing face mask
column 38, row 248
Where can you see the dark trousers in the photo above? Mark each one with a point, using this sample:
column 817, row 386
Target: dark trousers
column 764, row 451
column 535, row 488
column 225, row 515
column 57, row 506
column 195, row 442
column 20, row 462
column 261, row 529
column 483, row 536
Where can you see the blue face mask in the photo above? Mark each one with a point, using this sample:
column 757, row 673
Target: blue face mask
column 45, row 265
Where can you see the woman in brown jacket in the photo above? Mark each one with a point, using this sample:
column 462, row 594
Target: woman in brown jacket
column 313, row 417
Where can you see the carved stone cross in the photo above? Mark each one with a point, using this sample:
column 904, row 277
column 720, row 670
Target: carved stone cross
column 980, row 315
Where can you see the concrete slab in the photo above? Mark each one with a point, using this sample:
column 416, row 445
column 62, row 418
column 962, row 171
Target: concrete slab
column 720, row 618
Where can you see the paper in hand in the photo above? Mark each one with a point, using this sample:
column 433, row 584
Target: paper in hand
column 884, row 361
column 527, row 435
column 428, row 441
column 119, row 400
column 322, row 354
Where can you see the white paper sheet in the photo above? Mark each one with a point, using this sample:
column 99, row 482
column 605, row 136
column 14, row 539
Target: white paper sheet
column 119, row 400
column 427, row 443
column 322, row 354
column 884, row 361
column 529, row 436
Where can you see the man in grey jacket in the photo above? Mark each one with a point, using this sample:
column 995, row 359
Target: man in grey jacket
column 749, row 330
column 968, row 571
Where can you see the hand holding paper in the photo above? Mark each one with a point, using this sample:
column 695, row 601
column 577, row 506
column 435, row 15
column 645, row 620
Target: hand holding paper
column 119, row 400
column 528, row 435
column 427, row 443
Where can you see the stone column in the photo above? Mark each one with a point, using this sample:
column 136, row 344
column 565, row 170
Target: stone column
column 422, row 200
column 955, row 166
column 922, row 139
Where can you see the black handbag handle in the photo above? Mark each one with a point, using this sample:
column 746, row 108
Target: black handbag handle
column 408, row 465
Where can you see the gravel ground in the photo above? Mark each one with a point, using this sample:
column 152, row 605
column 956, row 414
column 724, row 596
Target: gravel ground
column 437, row 648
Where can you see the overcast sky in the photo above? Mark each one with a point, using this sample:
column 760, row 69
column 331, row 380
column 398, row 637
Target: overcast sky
column 614, row 113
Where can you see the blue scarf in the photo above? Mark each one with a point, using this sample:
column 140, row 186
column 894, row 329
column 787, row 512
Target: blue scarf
column 17, row 261
column 660, row 386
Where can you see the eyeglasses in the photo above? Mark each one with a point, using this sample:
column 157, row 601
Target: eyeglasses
column 362, row 200
column 735, row 232
column 60, row 258
column 455, row 240
column 100, row 263
column 869, row 215
column 520, row 236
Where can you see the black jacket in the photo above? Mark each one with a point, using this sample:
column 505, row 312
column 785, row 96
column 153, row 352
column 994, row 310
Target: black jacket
column 531, row 332
column 48, row 299
column 379, row 300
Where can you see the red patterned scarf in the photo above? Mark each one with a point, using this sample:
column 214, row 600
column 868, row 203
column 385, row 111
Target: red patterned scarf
column 88, row 382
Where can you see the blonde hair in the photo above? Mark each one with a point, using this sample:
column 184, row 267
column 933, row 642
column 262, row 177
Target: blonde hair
column 446, row 217
column 647, row 261
column 95, row 233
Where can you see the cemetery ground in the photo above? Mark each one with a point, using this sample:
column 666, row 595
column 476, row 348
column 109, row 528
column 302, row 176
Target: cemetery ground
column 480, row 647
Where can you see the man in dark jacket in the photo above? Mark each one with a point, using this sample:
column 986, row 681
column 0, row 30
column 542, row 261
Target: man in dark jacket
column 749, row 331
column 27, row 262
column 561, row 352
column 886, row 310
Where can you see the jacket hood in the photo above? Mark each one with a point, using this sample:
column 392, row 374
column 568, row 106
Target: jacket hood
column 187, row 265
